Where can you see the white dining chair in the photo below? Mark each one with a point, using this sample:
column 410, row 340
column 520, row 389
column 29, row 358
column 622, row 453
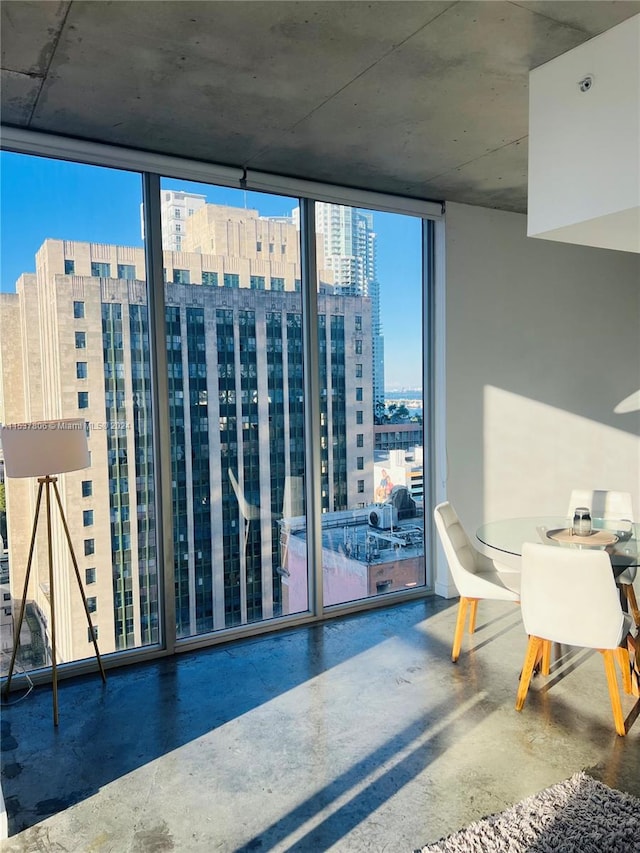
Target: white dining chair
column 570, row 597
column 474, row 575
column 614, row 506
column 603, row 503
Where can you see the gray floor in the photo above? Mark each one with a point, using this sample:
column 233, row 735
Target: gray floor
column 356, row 735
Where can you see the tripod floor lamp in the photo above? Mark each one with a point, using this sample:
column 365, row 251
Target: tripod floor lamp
column 44, row 449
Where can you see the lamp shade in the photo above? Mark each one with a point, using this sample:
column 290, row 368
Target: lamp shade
column 44, row 447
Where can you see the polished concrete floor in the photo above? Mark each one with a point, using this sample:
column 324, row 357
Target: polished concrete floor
column 355, row 735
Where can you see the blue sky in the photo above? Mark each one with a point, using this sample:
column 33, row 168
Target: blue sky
column 43, row 198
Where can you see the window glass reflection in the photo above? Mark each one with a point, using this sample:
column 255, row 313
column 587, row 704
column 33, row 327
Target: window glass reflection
column 236, row 392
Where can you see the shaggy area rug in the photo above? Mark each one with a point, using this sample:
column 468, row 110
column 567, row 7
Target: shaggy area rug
column 579, row 815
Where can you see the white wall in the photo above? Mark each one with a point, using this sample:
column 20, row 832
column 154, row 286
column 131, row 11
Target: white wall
column 542, row 342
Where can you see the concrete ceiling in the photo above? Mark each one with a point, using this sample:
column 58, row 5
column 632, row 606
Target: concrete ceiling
column 424, row 98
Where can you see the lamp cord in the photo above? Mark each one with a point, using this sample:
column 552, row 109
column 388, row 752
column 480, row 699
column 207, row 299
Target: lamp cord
column 4, row 702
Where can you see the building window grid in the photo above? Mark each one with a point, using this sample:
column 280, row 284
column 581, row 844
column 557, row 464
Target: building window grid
column 295, row 382
column 277, row 438
column 117, row 453
column 200, row 480
column 145, row 489
column 178, row 470
column 225, row 326
column 324, row 404
column 338, row 413
column 251, row 458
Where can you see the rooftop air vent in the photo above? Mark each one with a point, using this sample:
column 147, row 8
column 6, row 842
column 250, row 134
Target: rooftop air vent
column 383, row 516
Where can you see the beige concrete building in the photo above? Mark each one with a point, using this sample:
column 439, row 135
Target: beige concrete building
column 74, row 343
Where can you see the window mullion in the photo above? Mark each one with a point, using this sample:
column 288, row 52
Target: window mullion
column 309, row 287
column 159, row 406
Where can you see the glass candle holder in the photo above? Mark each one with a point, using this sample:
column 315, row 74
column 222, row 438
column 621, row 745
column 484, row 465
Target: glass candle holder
column 582, row 521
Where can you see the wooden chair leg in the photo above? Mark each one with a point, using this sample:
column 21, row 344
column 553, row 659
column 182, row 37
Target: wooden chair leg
column 472, row 614
column 457, row 637
column 614, row 693
column 534, row 648
column 546, row 657
column 624, row 662
column 634, row 660
column 630, row 595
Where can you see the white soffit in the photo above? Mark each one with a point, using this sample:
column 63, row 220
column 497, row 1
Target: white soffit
column 584, row 143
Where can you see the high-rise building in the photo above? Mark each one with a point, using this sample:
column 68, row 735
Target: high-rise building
column 349, row 243
column 75, row 342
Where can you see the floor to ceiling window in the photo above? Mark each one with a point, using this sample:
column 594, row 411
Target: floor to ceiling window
column 289, row 463
column 74, row 343
column 370, row 310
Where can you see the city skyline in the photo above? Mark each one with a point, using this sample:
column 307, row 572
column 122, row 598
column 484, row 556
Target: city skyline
column 75, row 340
column 233, row 445
column 236, row 411
column 81, row 200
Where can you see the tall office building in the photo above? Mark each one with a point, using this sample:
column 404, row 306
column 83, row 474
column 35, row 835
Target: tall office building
column 349, row 244
column 75, row 342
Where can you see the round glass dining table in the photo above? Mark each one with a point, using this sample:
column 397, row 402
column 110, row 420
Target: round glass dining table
column 509, row 535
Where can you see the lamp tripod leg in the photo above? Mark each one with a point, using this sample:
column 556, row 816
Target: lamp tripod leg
column 79, row 579
column 23, row 606
column 52, row 603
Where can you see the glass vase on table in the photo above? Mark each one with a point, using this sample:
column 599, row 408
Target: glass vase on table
column 581, row 521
